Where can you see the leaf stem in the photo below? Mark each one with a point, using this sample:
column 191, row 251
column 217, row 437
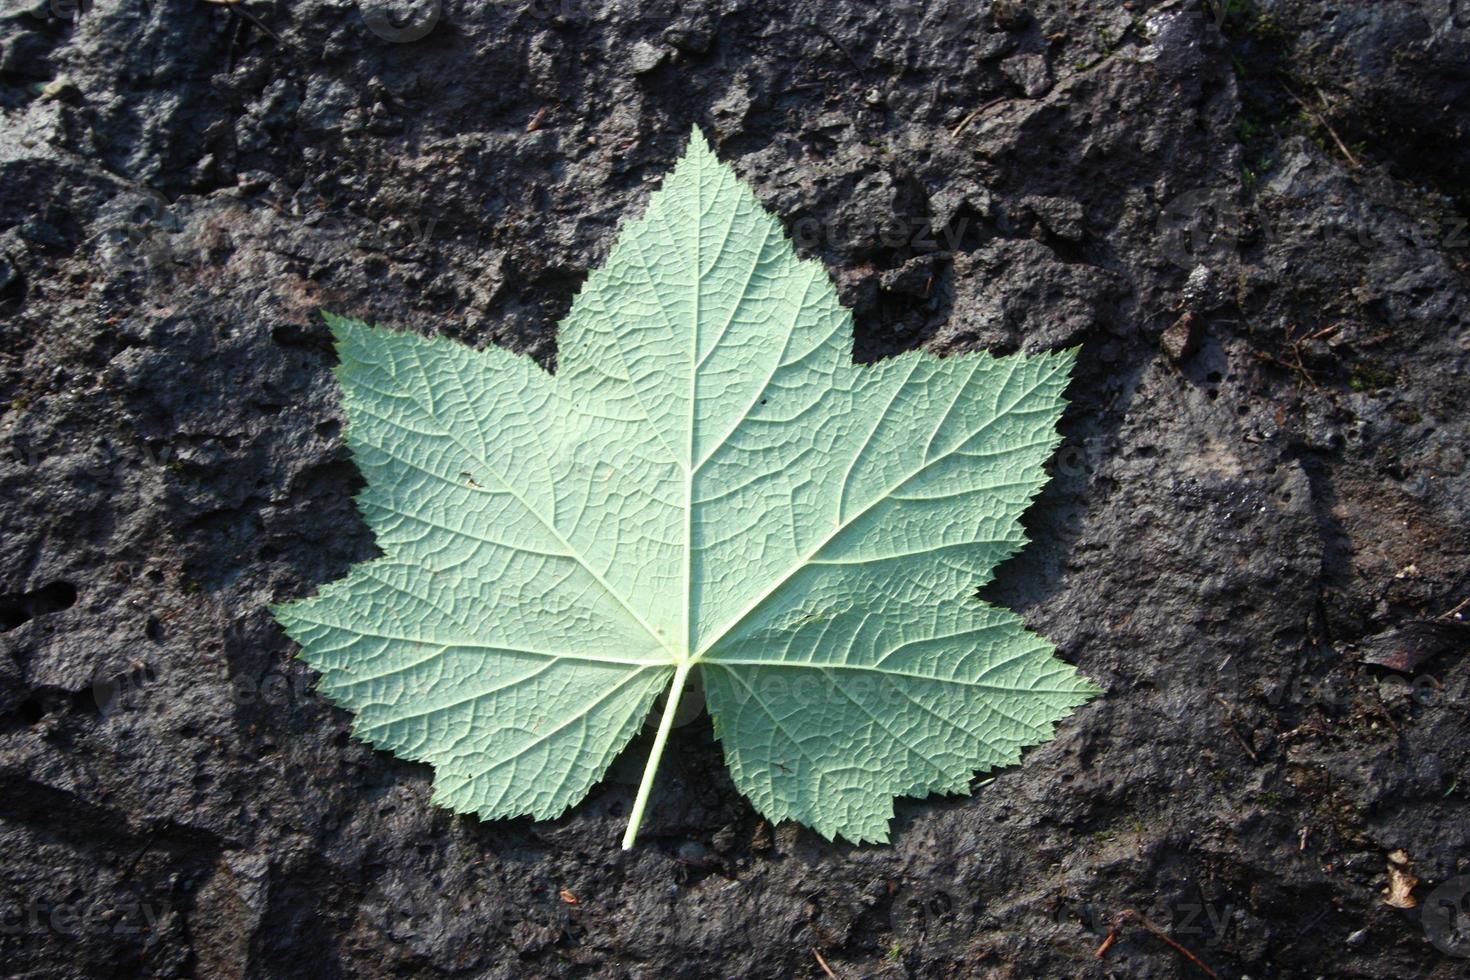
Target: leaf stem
column 666, row 723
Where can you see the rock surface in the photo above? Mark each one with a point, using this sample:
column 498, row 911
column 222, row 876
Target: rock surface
column 183, row 186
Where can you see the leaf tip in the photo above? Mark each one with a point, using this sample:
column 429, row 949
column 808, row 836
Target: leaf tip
column 698, row 142
column 343, row 328
column 281, row 613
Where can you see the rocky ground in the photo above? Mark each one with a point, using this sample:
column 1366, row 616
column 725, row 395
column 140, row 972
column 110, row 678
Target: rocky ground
column 1252, row 217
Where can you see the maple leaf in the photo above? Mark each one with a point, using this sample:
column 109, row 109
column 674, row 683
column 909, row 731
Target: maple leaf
column 707, row 483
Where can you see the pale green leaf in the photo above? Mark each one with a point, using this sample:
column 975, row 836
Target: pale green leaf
column 707, row 483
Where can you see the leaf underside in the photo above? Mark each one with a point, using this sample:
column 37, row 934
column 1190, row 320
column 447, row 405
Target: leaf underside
column 707, row 483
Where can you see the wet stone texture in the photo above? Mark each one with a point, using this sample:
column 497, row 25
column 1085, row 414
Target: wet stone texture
column 1253, row 223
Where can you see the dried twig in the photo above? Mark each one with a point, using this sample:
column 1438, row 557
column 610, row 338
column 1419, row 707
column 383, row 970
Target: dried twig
column 842, row 48
column 1383, row 710
column 1295, row 342
column 1322, row 121
column 1133, row 915
column 823, row 964
column 1230, row 723
column 965, row 122
column 1452, row 613
column 237, row 7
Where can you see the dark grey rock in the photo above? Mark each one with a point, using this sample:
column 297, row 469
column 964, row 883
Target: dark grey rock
column 1223, row 530
column 1181, row 339
column 1061, row 217
column 1030, row 72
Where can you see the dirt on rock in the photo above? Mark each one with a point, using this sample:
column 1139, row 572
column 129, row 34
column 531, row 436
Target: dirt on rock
column 1250, row 215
